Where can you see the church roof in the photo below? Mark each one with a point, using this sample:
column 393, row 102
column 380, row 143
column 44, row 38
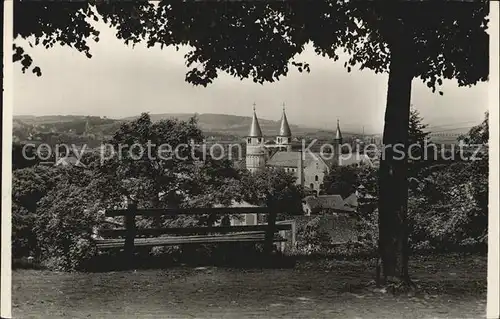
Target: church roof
column 291, row 159
column 352, row 200
column 255, row 130
column 284, row 127
column 69, row 161
column 354, row 158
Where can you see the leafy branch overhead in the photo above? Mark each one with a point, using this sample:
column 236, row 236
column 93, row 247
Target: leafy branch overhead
column 261, row 40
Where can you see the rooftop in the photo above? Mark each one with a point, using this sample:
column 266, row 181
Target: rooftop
column 291, row 159
column 327, row 202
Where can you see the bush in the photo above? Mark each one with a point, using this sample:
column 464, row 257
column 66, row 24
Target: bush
column 29, row 186
column 24, row 241
column 368, row 227
column 311, row 238
column 64, row 228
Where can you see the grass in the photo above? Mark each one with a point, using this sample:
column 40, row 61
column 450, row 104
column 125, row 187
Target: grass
column 451, row 286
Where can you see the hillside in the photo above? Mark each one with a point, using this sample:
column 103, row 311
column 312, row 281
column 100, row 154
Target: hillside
column 239, row 125
column 211, row 124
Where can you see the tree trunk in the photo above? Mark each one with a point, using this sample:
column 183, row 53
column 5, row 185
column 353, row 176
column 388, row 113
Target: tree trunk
column 393, row 183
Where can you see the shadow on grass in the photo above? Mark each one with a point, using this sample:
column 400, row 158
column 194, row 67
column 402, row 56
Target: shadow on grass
column 231, row 256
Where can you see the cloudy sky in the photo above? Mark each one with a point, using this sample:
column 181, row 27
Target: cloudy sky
column 120, row 81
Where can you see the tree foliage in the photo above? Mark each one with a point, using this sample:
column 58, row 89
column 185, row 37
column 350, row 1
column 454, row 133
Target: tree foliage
column 273, row 188
column 479, row 134
column 261, row 40
column 449, row 206
column 30, row 189
column 23, row 156
column 420, row 146
column 341, row 180
column 151, row 161
column 417, row 130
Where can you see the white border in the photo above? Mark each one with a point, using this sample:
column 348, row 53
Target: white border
column 493, row 303
column 6, row 282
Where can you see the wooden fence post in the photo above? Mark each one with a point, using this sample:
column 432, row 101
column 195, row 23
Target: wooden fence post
column 271, row 222
column 130, row 230
column 293, row 243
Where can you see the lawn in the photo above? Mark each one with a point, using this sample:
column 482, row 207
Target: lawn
column 451, row 286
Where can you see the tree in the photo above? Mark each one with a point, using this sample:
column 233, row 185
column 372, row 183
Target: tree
column 448, row 210
column 479, row 134
column 345, row 180
column 418, row 141
column 273, row 188
column 65, row 221
column 449, row 204
column 259, row 40
column 341, row 180
column 23, row 156
column 30, row 188
column 161, row 165
column 151, row 160
column 150, row 163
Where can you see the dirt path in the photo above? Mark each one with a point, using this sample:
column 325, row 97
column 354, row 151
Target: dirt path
column 310, row 290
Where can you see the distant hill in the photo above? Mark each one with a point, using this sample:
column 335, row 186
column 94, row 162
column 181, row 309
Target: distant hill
column 211, row 125
column 239, row 125
column 448, row 136
column 50, row 119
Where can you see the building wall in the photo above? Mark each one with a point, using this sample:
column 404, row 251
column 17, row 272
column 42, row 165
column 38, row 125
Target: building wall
column 284, row 143
column 255, row 155
column 341, row 228
column 244, row 219
column 314, row 174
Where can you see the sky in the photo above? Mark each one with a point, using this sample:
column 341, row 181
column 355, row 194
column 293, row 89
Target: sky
column 121, row 81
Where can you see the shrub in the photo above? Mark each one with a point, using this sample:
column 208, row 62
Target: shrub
column 311, row 237
column 29, row 186
column 64, row 227
column 24, row 241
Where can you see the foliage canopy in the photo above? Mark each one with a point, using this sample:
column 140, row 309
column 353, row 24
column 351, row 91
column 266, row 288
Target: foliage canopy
column 261, row 40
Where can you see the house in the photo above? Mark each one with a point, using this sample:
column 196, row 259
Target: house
column 69, row 161
column 325, row 204
column 242, row 219
column 352, row 201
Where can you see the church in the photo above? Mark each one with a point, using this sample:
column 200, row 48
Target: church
column 310, row 168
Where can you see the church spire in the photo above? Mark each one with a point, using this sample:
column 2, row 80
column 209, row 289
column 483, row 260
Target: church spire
column 255, row 130
column 284, row 127
column 338, row 134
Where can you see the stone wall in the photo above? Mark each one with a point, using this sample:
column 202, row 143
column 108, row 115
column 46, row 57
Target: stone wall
column 340, row 228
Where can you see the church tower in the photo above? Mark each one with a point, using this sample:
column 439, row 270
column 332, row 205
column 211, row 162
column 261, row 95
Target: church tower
column 337, row 145
column 255, row 152
column 284, row 137
column 88, row 128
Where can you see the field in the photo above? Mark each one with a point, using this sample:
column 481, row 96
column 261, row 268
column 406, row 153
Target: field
column 450, row 287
